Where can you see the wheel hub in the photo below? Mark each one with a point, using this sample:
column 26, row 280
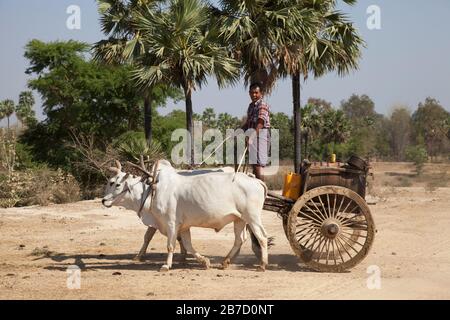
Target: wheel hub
column 331, row 228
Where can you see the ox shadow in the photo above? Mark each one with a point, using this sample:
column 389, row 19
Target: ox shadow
column 153, row 261
column 401, row 174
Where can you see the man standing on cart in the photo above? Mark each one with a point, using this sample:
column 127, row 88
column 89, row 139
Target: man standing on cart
column 258, row 119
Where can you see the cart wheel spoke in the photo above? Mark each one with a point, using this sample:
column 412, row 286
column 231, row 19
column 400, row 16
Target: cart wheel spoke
column 330, row 228
column 334, row 206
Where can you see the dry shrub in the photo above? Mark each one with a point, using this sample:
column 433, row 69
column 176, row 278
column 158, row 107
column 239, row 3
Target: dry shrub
column 402, row 182
column 276, row 181
column 67, row 191
column 38, row 187
column 434, row 181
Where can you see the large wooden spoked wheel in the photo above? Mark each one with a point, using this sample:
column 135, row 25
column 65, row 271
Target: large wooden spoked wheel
column 330, row 228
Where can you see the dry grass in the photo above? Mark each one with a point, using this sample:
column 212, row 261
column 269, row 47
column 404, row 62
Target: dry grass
column 434, row 181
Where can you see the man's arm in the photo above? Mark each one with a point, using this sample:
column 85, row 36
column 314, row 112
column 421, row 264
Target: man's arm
column 259, row 126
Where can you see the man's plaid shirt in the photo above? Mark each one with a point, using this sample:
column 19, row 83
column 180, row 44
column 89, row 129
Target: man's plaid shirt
column 258, row 110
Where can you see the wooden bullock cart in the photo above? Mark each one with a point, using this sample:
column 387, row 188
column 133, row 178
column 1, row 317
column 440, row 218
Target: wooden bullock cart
column 329, row 227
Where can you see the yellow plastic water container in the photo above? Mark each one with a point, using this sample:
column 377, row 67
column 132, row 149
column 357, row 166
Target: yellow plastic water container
column 333, row 158
column 291, row 187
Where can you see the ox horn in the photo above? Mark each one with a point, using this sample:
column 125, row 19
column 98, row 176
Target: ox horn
column 119, row 166
column 140, row 168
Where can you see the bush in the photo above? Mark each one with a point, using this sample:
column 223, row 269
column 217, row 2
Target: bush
column 39, row 186
column 24, row 159
column 418, row 155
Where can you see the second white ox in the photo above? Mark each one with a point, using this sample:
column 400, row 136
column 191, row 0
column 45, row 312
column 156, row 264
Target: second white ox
column 178, row 202
column 151, row 230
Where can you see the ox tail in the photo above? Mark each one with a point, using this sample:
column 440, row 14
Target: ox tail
column 256, row 247
column 266, row 190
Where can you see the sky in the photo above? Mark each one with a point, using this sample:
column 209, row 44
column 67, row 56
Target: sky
column 405, row 61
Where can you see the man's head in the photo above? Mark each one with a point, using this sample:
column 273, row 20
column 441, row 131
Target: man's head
column 256, row 91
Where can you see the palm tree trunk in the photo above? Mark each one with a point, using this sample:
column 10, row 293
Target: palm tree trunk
column 189, row 122
column 148, row 117
column 8, row 122
column 306, row 146
column 297, row 121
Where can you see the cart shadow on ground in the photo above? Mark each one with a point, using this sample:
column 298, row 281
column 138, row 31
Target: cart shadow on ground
column 153, row 262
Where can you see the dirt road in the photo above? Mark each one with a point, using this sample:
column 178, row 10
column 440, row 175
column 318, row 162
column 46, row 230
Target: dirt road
column 38, row 244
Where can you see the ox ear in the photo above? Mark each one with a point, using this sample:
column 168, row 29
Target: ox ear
column 164, row 162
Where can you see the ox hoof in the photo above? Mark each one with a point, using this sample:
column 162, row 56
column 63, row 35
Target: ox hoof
column 164, row 268
column 225, row 264
column 206, row 263
column 138, row 258
column 261, row 268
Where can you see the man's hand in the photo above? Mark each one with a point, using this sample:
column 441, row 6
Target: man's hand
column 251, row 138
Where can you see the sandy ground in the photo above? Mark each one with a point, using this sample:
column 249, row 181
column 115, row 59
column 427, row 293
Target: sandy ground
column 38, row 244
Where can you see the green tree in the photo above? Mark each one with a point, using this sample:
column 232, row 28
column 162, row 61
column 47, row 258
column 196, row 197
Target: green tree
column 382, row 149
column 2, row 111
column 257, row 32
column 226, row 121
column 311, row 124
column 321, row 105
column 359, row 109
column 400, row 126
column 182, row 49
column 418, row 155
column 332, row 44
column 430, row 122
column 335, row 127
column 79, row 94
column 7, row 109
column 446, row 126
column 283, row 123
column 125, row 45
column 364, row 120
column 208, row 118
column 24, row 110
column 262, row 34
column 165, row 125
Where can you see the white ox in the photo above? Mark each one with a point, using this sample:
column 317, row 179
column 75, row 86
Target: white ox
column 151, row 230
column 177, row 202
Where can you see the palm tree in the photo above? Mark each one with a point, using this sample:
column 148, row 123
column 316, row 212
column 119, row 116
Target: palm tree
column 335, row 127
column 124, row 43
column 310, row 125
column 289, row 38
column 2, row 111
column 24, row 110
column 227, row 121
column 209, row 118
column 8, row 109
column 258, row 31
column 333, row 46
column 182, row 50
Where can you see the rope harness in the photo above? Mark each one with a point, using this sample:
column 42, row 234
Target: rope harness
column 151, row 188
